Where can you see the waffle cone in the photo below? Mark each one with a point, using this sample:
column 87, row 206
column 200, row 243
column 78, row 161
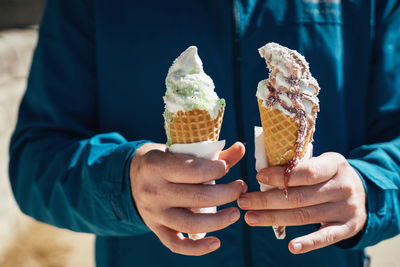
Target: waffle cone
column 195, row 126
column 280, row 135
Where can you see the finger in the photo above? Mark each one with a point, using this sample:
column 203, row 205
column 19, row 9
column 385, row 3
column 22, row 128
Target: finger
column 203, row 195
column 302, row 196
column 183, row 220
column 179, row 244
column 325, row 236
column 180, row 168
column 233, row 154
column 300, row 216
column 308, row 172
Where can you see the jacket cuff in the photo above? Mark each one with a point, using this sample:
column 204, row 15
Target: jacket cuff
column 120, row 198
column 133, row 213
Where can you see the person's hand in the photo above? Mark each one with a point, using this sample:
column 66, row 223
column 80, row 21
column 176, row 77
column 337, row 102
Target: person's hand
column 166, row 185
column 324, row 190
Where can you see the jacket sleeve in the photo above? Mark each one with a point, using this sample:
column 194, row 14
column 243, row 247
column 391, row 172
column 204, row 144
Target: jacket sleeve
column 63, row 171
column 378, row 162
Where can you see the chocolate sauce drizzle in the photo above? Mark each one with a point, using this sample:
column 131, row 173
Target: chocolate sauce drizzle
column 295, row 71
column 301, row 118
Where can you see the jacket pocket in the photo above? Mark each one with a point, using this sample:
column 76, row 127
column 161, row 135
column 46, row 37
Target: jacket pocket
column 305, row 11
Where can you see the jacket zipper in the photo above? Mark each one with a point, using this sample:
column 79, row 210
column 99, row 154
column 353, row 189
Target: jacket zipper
column 239, row 118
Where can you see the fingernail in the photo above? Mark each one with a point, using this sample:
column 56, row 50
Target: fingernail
column 297, row 247
column 226, row 166
column 244, row 187
column 234, row 215
column 213, row 245
column 252, row 218
column 262, row 178
column 244, row 202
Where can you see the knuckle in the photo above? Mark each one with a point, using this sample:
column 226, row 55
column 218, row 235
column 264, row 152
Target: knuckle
column 197, row 167
column 139, row 199
column 149, row 190
column 346, row 189
column 341, row 162
column 220, row 169
column 351, row 227
column 311, row 172
column 214, row 169
column 147, row 195
column 272, row 219
column 352, row 208
column 264, row 202
column 147, row 210
column 231, row 193
column 314, row 243
column 193, row 163
column 237, row 190
column 150, row 161
column 188, row 225
column 340, row 158
column 331, row 237
column 303, row 215
column 201, row 197
column 297, row 197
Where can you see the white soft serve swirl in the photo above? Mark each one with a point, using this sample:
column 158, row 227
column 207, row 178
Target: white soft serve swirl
column 188, row 87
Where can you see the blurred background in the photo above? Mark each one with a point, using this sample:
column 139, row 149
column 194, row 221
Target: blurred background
column 23, row 241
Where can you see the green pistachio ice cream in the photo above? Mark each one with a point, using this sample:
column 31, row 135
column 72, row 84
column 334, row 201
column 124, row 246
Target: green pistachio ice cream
column 188, row 88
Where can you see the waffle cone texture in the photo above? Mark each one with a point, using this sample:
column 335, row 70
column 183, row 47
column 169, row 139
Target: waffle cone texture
column 194, row 126
column 280, row 135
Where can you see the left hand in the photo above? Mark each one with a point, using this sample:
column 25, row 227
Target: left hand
column 324, row 190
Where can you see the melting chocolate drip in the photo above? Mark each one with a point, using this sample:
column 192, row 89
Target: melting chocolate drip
column 300, row 116
column 280, row 230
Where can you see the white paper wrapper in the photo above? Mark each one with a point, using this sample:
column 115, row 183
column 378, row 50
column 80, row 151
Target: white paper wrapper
column 205, row 150
column 262, row 162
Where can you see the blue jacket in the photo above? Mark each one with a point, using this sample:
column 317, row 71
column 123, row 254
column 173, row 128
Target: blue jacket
column 95, row 94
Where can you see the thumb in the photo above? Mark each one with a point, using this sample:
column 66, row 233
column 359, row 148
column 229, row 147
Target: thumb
column 233, row 154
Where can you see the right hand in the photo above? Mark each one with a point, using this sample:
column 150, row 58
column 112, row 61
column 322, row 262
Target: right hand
column 164, row 186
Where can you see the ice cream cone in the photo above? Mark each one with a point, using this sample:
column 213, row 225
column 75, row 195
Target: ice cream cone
column 194, row 126
column 191, row 127
column 193, row 114
column 280, row 134
column 288, row 106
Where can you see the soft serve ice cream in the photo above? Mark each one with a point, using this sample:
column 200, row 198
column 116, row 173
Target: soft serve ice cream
column 189, row 88
column 292, row 90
